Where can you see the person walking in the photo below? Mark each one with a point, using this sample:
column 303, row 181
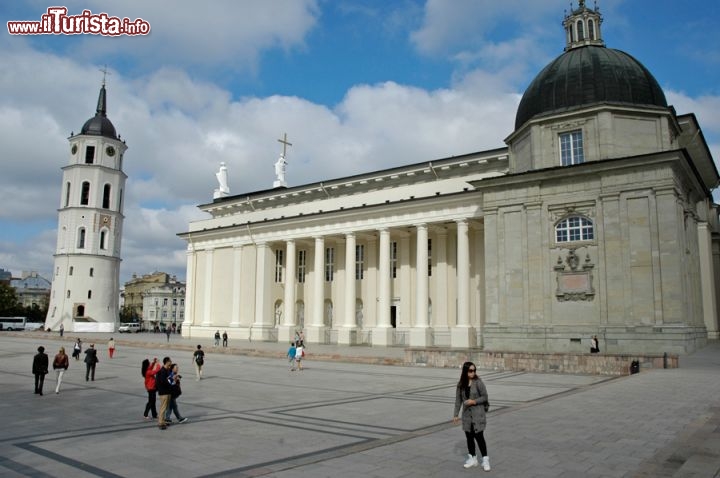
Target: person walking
column 150, row 369
column 291, row 356
column 40, row 369
column 472, row 396
column 225, row 337
column 61, row 362
column 594, row 345
column 111, row 347
column 199, row 360
column 167, row 333
column 299, row 354
column 91, row 361
column 217, row 338
column 62, row 330
column 163, row 389
column 175, row 392
column 77, row 348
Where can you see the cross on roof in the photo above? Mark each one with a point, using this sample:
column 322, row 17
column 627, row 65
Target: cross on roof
column 285, row 143
column 105, row 73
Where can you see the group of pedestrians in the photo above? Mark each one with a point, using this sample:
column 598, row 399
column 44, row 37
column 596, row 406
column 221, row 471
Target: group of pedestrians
column 224, row 338
column 163, row 381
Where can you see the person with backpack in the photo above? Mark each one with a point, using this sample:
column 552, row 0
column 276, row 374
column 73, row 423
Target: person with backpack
column 175, row 392
column 291, row 356
column 199, row 360
column 77, row 348
column 472, row 396
column 149, row 370
column 164, row 389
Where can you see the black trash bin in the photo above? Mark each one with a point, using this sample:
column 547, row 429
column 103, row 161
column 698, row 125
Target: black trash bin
column 634, row 367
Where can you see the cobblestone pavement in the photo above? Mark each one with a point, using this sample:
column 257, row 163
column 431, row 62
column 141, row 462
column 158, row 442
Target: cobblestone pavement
column 346, row 416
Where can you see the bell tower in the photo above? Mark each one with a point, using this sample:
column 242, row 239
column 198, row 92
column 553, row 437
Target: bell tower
column 582, row 26
column 86, row 273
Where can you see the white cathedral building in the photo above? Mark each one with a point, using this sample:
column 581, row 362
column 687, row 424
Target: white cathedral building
column 86, row 273
column 596, row 219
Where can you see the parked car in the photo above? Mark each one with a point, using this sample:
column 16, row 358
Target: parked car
column 129, row 328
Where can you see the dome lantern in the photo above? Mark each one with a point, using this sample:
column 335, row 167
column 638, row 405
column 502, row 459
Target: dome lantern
column 582, row 26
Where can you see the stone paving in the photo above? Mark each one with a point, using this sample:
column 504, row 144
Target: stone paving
column 345, row 416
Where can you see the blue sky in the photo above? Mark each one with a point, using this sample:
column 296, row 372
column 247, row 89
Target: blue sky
column 356, row 85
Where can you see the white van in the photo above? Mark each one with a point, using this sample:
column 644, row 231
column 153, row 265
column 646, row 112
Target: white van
column 129, row 327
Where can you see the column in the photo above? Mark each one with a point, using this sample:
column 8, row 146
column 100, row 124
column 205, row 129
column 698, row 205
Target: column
column 420, row 334
column 315, row 332
column 462, row 335
column 264, row 319
column 207, row 296
column 707, row 280
column 236, row 286
column 286, row 330
column 382, row 334
column 189, row 319
column 347, row 333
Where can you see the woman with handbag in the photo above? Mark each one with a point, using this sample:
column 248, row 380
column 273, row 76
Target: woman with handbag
column 472, row 396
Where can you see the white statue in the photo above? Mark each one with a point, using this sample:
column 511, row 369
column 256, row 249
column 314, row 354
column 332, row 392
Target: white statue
column 280, row 167
column 223, row 189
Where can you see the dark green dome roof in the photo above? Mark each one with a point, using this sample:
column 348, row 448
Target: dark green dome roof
column 586, row 76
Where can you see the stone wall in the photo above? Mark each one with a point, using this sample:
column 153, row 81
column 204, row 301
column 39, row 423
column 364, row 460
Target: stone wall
column 581, row 363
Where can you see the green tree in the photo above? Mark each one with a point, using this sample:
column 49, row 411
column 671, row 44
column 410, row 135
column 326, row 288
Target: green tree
column 9, row 305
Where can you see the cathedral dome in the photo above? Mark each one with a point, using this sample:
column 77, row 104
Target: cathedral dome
column 587, row 76
column 100, row 125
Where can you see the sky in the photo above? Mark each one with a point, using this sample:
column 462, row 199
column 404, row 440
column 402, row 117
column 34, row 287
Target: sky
column 356, row 85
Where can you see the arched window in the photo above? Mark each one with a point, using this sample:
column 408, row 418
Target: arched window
column 68, row 293
column 89, row 294
column 89, row 154
column 120, row 202
column 580, row 31
column 574, row 228
column 91, row 271
column 85, row 193
column 591, row 29
column 71, row 270
column 81, row 238
column 67, row 194
column 103, row 239
column 81, row 311
column 106, row 197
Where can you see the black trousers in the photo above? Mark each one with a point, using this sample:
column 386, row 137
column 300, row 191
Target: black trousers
column 39, row 381
column 471, row 438
column 150, row 405
column 90, row 371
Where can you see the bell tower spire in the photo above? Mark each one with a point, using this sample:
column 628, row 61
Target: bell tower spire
column 582, row 26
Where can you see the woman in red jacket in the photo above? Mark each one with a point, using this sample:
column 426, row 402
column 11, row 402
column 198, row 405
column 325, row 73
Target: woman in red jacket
column 149, row 374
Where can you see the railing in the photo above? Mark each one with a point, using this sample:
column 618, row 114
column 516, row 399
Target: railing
column 401, row 338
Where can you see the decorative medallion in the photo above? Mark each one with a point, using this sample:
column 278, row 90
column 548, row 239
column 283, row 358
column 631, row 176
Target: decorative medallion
column 110, row 151
column 73, row 150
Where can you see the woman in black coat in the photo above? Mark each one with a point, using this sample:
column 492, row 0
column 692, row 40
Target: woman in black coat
column 40, row 369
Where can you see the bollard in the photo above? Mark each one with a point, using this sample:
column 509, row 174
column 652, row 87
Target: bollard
column 665, row 360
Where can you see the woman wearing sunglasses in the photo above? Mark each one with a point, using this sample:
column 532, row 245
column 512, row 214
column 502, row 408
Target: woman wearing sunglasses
column 472, row 395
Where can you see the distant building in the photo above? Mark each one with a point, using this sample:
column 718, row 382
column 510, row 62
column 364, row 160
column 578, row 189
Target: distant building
column 164, row 305
column 32, row 289
column 5, row 276
column 142, row 292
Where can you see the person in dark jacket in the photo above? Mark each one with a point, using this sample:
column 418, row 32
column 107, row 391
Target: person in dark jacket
column 164, row 389
column 91, row 360
column 472, row 396
column 40, row 369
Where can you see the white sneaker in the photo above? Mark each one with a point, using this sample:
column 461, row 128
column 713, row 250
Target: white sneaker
column 471, row 461
column 485, row 463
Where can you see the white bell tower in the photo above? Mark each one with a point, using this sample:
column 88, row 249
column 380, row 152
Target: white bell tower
column 86, row 273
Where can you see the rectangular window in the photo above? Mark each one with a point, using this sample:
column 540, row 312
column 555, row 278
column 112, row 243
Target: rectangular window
column 89, row 154
column 329, row 264
column 182, row 302
column 393, row 259
column 429, row 257
column 302, row 266
column 571, row 148
column 359, row 261
column 174, row 301
column 164, row 302
column 279, row 265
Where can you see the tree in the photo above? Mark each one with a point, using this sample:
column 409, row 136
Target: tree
column 9, row 305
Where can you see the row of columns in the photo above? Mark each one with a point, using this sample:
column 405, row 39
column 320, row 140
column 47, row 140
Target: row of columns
column 421, row 331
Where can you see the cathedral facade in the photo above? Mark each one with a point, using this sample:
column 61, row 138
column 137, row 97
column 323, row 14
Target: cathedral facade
column 596, row 219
